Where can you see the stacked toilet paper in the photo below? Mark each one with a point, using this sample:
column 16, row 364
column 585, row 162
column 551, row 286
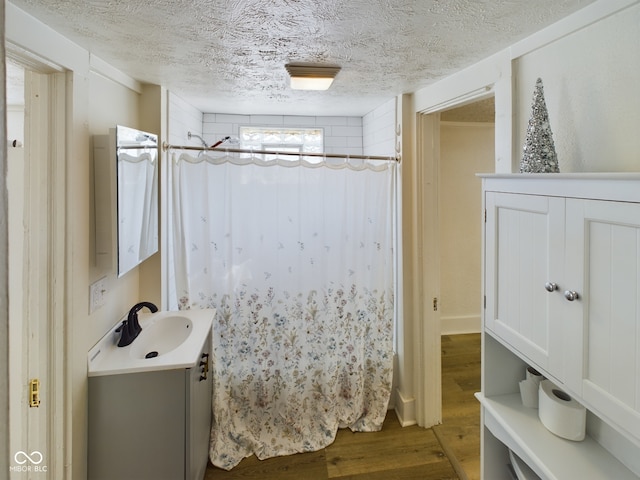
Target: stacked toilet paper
column 529, row 388
column 561, row 414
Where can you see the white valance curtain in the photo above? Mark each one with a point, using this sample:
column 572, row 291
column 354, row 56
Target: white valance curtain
column 297, row 259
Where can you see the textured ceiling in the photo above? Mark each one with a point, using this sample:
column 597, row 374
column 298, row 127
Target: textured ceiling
column 229, row 55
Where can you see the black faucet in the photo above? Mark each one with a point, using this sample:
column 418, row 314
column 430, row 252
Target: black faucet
column 131, row 327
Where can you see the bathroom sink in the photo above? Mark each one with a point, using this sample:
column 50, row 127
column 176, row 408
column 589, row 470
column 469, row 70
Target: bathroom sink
column 168, row 340
column 161, row 336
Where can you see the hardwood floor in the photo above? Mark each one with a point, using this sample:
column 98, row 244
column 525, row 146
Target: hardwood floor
column 447, row 451
column 460, row 429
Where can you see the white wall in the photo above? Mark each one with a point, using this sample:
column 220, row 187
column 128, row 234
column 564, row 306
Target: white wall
column 341, row 134
column 591, row 79
column 110, row 104
column 379, row 130
column 466, row 148
column 183, row 118
column 115, row 99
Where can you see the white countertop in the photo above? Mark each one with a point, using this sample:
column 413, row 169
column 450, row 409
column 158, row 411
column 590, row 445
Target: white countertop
column 106, row 358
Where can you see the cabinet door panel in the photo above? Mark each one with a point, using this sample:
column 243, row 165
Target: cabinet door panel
column 525, row 243
column 610, row 249
column 199, row 391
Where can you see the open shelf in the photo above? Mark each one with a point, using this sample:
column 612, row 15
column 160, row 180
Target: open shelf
column 551, row 457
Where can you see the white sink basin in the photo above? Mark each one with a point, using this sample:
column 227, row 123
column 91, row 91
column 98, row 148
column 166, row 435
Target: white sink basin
column 168, row 340
column 161, row 336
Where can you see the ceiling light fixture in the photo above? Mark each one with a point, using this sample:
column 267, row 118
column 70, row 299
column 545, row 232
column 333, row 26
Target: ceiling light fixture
column 311, row 77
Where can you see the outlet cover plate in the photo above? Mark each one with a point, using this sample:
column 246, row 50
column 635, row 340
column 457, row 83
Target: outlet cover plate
column 97, row 293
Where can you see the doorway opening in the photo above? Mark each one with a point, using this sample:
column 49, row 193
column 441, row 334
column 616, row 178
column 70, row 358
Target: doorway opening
column 467, row 147
column 427, row 185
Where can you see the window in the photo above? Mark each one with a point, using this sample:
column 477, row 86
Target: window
column 284, row 139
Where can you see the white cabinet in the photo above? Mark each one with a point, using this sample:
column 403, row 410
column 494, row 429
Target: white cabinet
column 562, row 294
column 524, row 243
column 603, row 262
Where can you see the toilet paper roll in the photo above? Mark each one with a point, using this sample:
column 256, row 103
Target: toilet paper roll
column 559, row 413
column 529, row 387
column 534, row 375
column 529, row 392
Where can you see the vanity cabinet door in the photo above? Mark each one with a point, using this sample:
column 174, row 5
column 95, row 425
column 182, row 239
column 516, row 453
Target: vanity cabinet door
column 198, row 414
column 524, row 245
column 603, row 259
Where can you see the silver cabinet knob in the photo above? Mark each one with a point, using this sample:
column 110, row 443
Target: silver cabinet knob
column 571, row 295
column 550, row 286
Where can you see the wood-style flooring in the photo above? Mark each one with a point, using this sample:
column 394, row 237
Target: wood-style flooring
column 460, row 428
column 447, row 451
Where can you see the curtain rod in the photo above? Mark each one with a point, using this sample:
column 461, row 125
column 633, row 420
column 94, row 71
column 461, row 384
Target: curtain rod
column 166, row 146
column 135, row 147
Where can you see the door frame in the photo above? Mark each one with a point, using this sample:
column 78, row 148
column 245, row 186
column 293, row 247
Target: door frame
column 45, row 338
column 4, row 268
column 427, row 323
column 428, row 378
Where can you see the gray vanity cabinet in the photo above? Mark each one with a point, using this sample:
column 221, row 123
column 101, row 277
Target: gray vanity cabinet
column 151, row 425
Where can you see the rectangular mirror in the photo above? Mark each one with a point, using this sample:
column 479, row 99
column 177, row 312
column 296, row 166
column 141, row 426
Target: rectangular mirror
column 137, row 196
column 125, row 188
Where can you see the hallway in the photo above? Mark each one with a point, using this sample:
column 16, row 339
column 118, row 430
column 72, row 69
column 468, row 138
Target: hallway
column 447, row 451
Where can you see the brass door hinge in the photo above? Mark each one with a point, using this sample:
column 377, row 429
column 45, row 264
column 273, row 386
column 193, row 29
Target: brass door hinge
column 34, row 393
column 435, row 304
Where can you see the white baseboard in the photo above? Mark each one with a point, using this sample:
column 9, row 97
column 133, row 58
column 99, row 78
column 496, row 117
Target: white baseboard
column 394, row 383
column 460, row 324
column 405, row 409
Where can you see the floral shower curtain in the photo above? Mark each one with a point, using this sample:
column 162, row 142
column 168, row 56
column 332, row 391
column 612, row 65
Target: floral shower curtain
column 297, row 259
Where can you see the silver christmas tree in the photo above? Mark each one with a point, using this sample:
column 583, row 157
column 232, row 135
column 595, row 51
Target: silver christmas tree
column 539, row 153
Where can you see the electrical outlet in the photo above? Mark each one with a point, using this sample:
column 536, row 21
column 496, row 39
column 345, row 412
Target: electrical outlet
column 97, row 293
